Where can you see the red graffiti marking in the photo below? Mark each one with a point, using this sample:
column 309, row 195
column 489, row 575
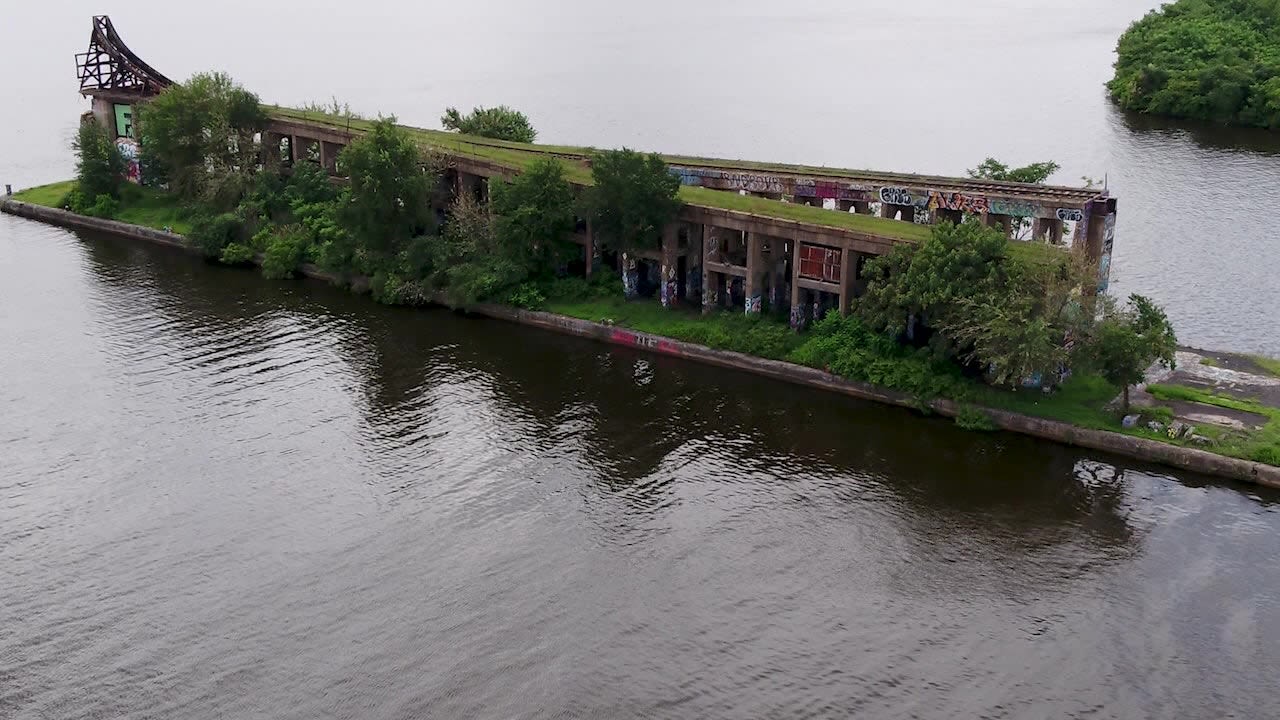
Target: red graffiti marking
column 622, row 337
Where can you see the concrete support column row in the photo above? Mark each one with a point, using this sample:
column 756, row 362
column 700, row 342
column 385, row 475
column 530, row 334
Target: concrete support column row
column 889, row 210
column 1047, row 229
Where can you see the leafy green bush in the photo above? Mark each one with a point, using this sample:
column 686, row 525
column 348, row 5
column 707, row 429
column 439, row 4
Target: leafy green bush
column 527, row 296
column 285, row 251
column 1216, row 60
column 99, row 165
column 74, row 201
column 213, row 233
column 972, row 418
column 499, row 123
column 236, row 254
column 390, row 289
column 844, row 346
column 104, row 206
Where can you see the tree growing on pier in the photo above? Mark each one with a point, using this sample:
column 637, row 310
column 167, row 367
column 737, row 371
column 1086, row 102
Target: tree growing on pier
column 1128, row 339
column 533, row 217
column 201, row 133
column 499, row 123
column 388, row 201
column 633, row 198
column 969, row 298
column 99, row 165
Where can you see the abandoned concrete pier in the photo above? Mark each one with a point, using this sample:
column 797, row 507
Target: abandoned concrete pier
column 749, row 233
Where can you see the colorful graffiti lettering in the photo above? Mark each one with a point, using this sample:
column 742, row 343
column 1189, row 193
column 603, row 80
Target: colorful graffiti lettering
column 670, row 288
column 895, row 196
column 797, row 317
column 855, row 193
column 630, row 278
column 1070, row 215
column 754, row 304
column 753, row 183
column 957, row 201
column 805, row 188
column 130, row 151
column 1014, row 208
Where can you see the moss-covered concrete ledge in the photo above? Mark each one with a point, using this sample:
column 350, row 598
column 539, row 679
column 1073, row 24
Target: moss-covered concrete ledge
column 1183, row 458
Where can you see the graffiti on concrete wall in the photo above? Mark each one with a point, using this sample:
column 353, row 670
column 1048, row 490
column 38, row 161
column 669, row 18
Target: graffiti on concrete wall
column 1108, row 243
column 1014, row 208
column 693, row 283
column 957, row 201
column 630, row 278
column 670, row 288
column 1070, row 215
column 856, row 193
column 896, row 196
column 723, row 180
column 131, row 153
column 754, row 304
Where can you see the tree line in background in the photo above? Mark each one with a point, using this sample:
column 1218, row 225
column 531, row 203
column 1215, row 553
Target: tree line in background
column 959, row 300
column 1215, row 60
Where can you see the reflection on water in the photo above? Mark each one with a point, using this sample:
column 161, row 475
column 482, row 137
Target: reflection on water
column 225, row 497
column 1242, row 141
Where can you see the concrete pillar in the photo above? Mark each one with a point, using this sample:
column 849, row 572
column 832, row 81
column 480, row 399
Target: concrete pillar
column 324, row 157
column 669, row 285
column 693, row 262
column 888, row 210
column 1094, row 236
column 589, row 250
column 630, row 277
column 797, row 312
column 1003, row 223
column 710, row 280
column 754, row 286
column 954, row 217
column 293, row 148
column 847, row 269
column 1047, row 230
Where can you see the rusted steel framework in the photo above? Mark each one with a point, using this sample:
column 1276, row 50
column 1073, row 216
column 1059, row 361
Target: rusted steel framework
column 109, row 64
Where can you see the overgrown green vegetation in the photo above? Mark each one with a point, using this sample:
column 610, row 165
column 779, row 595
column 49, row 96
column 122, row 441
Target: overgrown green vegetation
column 199, row 135
column 961, row 313
column 1127, row 340
column 1215, row 60
column 99, row 165
column 634, row 196
column 1260, row 446
column 1271, row 365
column 499, row 123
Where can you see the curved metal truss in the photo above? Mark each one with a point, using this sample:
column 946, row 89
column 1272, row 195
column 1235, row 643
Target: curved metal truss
column 109, row 64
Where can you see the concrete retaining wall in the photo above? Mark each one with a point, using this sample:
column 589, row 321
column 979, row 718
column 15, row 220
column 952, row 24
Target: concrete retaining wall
column 1200, row 461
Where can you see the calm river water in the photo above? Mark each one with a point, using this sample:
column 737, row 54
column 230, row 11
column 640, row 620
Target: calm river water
column 222, row 497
